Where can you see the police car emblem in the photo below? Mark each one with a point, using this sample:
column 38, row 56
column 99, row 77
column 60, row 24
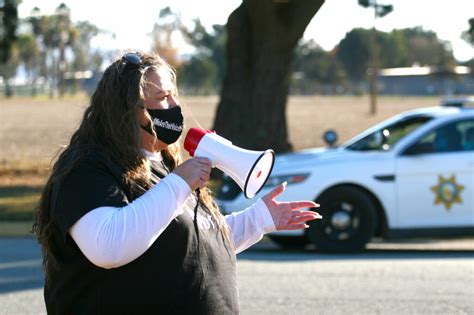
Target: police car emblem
column 447, row 191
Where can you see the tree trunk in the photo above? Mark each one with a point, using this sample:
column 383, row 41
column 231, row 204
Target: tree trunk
column 262, row 35
column 8, row 89
column 61, row 70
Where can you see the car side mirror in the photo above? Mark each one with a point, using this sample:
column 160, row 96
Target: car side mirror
column 330, row 137
column 420, row 148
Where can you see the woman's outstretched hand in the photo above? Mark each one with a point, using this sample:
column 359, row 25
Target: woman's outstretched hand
column 286, row 215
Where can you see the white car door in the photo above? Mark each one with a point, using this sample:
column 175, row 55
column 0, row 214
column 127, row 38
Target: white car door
column 435, row 178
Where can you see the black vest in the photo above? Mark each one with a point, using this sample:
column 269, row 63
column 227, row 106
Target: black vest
column 187, row 270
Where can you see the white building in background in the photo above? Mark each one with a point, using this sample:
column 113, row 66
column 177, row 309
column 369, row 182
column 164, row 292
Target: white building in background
column 425, row 81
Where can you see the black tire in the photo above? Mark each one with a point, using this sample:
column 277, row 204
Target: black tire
column 349, row 220
column 289, row 242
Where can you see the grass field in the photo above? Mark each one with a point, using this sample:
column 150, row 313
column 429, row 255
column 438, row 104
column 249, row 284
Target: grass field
column 33, row 130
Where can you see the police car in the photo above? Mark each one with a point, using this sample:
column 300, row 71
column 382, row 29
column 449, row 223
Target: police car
column 411, row 175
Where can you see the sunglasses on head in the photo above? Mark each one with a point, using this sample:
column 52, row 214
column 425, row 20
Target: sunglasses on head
column 134, row 59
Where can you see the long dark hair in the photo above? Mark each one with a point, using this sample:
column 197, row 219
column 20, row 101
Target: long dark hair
column 110, row 124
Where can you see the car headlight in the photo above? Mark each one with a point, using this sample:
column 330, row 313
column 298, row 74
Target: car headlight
column 290, row 179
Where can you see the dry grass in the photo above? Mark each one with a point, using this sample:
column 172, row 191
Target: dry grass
column 33, row 130
column 309, row 117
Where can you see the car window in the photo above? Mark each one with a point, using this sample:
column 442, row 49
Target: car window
column 453, row 137
column 385, row 138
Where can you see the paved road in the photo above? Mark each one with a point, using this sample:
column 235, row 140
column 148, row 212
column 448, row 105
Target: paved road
column 422, row 277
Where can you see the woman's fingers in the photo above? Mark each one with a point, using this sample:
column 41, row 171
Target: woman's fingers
column 205, row 166
column 299, row 222
column 305, row 212
column 195, row 171
column 203, row 161
column 205, row 176
column 295, row 205
column 206, row 171
column 296, row 226
column 201, row 184
column 276, row 191
column 304, row 218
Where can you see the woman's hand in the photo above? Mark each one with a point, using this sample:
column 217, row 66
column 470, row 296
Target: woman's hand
column 195, row 172
column 286, row 215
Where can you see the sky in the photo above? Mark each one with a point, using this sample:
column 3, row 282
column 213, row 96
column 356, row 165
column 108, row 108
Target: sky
column 132, row 21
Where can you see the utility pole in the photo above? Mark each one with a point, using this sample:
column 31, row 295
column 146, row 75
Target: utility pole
column 380, row 10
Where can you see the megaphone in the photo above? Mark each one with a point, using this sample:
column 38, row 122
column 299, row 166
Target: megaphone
column 249, row 169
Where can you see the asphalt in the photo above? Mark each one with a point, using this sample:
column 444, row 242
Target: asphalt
column 399, row 277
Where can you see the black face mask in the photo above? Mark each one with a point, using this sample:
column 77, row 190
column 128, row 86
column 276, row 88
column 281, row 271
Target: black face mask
column 167, row 123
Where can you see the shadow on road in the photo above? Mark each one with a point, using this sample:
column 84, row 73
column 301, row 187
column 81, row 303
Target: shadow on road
column 272, row 252
column 20, row 265
column 20, row 258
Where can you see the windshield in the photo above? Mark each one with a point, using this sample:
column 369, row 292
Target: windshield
column 384, row 138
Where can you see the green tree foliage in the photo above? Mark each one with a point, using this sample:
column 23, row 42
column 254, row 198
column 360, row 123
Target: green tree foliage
column 468, row 35
column 8, row 69
column 30, row 55
column 353, row 52
column 42, row 44
column 8, row 37
column 9, row 24
column 204, row 71
column 45, row 41
column 313, row 67
column 168, row 24
column 425, row 48
column 209, row 46
column 55, row 36
column 394, row 49
column 37, row 24
column 84, row 32
column 399, row 48
column 58, row 35
column 199, row 75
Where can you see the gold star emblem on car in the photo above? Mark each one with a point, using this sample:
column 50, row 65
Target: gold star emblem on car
column 447, row 191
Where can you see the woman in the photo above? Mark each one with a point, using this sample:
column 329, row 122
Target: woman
column 125, row 226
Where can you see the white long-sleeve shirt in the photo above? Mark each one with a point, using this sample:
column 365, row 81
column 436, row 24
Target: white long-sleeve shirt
column 111, row 237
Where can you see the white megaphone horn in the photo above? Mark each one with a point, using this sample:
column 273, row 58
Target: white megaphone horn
column 249, row 169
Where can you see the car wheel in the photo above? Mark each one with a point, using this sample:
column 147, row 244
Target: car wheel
column 289, row 242
column 348, row 221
